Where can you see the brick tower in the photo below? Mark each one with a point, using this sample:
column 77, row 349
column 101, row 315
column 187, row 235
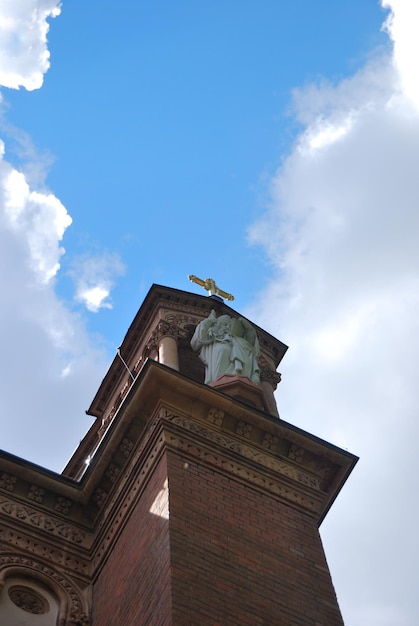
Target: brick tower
column 187, row 503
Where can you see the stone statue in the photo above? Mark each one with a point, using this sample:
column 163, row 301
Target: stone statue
column 227, row 346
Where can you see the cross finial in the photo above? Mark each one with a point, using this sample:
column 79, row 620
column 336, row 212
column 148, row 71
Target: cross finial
column 210, row 285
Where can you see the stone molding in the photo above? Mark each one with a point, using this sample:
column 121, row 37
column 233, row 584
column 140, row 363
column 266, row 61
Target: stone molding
column 164, row 411
column 246, row 474
column 281, row 478
column 299, row 486
column 235, row 446
column 123, row 499
column 123, row 511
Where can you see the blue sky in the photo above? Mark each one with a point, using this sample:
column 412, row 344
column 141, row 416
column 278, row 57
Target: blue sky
column 272, row 146
column 166, row 121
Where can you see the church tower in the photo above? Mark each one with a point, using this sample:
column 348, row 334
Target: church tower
column 189, row 501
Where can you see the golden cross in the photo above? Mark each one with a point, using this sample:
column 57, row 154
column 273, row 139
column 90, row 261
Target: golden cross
column 211, row 287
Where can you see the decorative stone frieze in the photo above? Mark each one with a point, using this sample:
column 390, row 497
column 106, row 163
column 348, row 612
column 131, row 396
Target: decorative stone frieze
column 42, row 521
column 248, row 452
column 40, row 549
column 226, row 464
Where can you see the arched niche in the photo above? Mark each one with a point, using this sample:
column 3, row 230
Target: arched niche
column 35, row 594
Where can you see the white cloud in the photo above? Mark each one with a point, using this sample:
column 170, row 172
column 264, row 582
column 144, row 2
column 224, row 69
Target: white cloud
column 50, row 366
column 24, row 56
column 94, row 277
column 46, row 353
column 341, row 235
column 325, row 133
column 402, row 26
column 39, row 218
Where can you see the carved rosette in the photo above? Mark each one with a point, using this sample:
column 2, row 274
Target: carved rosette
column 28, row 600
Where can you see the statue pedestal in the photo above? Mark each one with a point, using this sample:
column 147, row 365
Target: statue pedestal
column 243, row 389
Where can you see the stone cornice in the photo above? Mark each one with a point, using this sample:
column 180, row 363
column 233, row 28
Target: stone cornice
column 163, row 410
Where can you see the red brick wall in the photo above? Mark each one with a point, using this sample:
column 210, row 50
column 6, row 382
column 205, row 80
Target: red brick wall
column 133, row 588
column 239, row 557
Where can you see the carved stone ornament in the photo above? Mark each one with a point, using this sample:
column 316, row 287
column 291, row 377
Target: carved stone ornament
column 163, row 329
column 126, row 447
column 7, row 482
column 215, row 416
column 270, row 376
column 270, row 441
column 63, row 505
column 36, row 493
column 28, row 600
column 113, row 472
column 99, row 497
column 243, row 428
column 181, row 320
column 79, row 619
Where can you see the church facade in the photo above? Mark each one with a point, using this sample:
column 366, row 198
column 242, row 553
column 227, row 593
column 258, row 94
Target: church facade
column 187, row 502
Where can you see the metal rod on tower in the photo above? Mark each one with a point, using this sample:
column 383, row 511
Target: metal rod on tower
column 118, row 351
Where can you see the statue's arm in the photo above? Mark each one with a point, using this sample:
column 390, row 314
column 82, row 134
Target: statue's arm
column 202, row 334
